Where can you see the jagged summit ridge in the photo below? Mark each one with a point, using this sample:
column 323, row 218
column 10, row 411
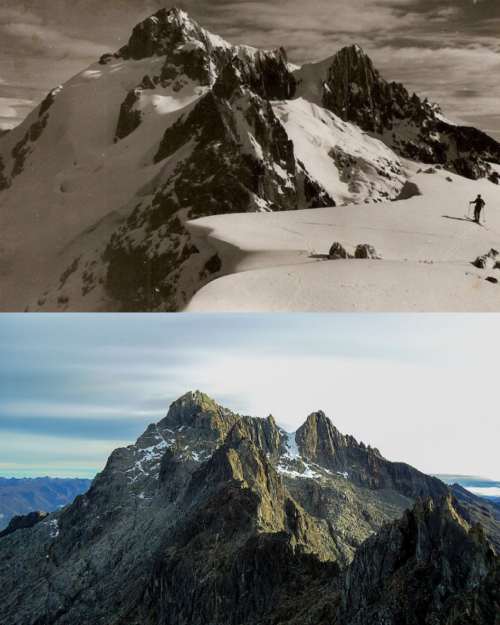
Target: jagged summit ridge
column 196, row 426
column 448, row 567
column 349, row 85
column 192, row 524
column 165, row 31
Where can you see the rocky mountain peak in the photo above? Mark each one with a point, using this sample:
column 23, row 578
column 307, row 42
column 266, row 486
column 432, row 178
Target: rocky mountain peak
column 265, row 73
column 447, row 567
column 352, row 56
column 157, row 34
column 200, row 412
column 203, row 520
column 352, row 88
column 319, row 440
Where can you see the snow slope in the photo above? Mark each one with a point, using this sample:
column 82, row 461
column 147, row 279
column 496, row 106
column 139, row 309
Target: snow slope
column 86, row 177
column 349, row 164
column 276, row 261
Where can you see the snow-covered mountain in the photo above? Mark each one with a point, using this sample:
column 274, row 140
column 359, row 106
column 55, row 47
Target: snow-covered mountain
column 214, row 517
column 98, row 183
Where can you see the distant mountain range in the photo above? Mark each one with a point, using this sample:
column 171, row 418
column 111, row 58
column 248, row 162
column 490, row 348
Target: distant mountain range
column 489, row 489
column 24, row 495
column 98, row 184
column 214, row 517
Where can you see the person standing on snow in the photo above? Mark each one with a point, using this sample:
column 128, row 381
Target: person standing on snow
column 479, row 204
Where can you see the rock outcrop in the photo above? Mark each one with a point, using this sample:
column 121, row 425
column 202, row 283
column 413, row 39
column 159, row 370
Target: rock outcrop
column 430, row 567
column 231, row 154
column 351, row 87
column 23, row 522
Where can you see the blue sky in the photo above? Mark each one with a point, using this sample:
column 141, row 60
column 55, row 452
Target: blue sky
column 446, row 49
column 423, row 388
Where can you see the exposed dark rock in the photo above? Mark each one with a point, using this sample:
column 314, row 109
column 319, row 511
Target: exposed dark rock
column 4, row 181
column 198, row 522
column 106, row 58
column 130, row 117
column 364, row 250
column 315, row 195
column 231, row 154
column 265, row 74
column 48, row 102
column 338, row 252
column 23, row 522
column 23, row 148
column 320, row 442
column 430, row 567
column 494, row 177
column 188, row 49
column 355, row 91
column 409, row 190
column 487, row 261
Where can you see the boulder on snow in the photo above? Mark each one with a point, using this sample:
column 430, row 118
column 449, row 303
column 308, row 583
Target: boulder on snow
column 409, row 190
column 338, row 251
column 487, row 261
column 494, row 177
column 366, row 251
column 492, row 279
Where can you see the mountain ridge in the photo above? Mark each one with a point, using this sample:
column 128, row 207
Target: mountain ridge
column 217, row 517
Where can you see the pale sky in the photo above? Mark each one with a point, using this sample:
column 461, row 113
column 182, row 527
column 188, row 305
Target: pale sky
column 421, row 388
column 448, row 50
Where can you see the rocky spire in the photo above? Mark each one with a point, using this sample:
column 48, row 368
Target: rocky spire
column 429, row 567
column 160, row 33
column 356, row 92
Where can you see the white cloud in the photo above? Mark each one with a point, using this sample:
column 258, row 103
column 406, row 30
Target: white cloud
column 50, row 455
column 58, row 410
column 9, row 107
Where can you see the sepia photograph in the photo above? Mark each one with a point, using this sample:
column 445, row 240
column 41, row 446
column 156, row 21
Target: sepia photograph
column 247, row 156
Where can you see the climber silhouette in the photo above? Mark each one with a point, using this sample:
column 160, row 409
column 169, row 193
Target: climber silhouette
column 479, row 204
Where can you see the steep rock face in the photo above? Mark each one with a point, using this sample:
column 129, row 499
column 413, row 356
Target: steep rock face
column 351, row 87
column 195, row 57
column 229, row 153
column 355, row 91
column 172, row 34
column 319, row 441
column 430, row 567
column 242, row 518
